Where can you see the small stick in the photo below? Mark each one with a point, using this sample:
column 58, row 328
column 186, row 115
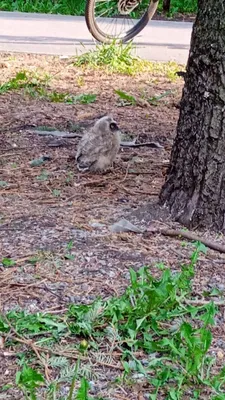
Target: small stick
column 10, row 154
column 127, row 171
column 204, row 302
column 190, row 236
column 59, row 134
column 43, row 363
column 19, row 338
column 153, row 145
column 68, row 135
column 134, row 192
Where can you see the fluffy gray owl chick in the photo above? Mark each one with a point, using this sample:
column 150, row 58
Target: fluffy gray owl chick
column 98, row 147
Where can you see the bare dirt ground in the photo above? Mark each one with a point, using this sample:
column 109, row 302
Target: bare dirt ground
column 44, row 208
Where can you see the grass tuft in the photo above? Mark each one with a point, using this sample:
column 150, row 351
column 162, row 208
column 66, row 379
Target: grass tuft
column 37, row 86
column 119, row 58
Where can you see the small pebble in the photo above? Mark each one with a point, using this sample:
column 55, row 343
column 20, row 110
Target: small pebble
column 92, row 387
column 220, row 355
column 96, row 225
column 102, row 262
column 1, row 342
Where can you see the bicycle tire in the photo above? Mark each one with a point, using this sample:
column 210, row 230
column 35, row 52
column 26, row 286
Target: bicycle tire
column 100, row 36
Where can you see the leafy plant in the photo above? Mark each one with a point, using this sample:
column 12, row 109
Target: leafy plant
column 161, row 336
column 43, row 176
column 155, row 99
column 126, row 98
column 19, row 81
column 71, row 99
column 181, row 6
column 56, row 192
column 8, row 262
column 69, row 7
column 82, row 393
column 45, row 128
column 25, row 79
column 77, row 7
column 29, row 380
column 26, row 323
column 3, row 184
column 36, row 85
column 114, row 57
column 68, row 254
column 120, row 58
column 72, row 386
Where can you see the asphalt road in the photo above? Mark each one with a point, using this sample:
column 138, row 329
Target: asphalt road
column 67, row 35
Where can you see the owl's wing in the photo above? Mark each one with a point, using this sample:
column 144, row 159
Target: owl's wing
column 91, row 146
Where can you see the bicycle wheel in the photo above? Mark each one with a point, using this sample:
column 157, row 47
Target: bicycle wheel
column 109, row 20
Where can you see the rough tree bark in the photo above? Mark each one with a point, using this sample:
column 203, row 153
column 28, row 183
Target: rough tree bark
column 194, row 189
column 166, row 5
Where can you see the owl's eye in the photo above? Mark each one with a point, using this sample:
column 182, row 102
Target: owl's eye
column 113, row 126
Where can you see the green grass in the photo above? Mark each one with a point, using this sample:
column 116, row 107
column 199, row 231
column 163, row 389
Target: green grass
column 35, row 85
column 66, row 7
column 120, row 58
column 181, row 6
column 24, row 80
column 159, row 333
column 77, row 7
column 127, row 99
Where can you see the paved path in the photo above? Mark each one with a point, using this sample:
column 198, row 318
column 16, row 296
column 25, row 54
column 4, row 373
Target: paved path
column 67, row 35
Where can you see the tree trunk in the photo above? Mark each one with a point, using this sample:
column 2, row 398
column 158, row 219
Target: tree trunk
column 166, row 5
column 194, row 189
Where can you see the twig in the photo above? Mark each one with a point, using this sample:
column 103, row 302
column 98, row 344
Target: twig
column 27, row 257
column 19, row 149
column 123, row 188
column 45, row 365
column 69, row 135
column 34, row 347
column 204, row 302
column 153, row 145
column 94, row 182
column 54, row 294
column 135, row 192
column 140, row 172
column 202, row 259
column 49, row 310
column 140, row 396
column 10, row 154
column 119, row 397
column 11, row 128
column 27, row 285
column 190, row 236
column 66, row 135
column 127, row 170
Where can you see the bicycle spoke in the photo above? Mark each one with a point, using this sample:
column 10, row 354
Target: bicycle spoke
column 118, row 19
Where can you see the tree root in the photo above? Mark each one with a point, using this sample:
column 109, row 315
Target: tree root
column 190, row 236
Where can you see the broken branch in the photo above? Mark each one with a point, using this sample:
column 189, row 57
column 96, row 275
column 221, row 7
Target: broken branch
column 190, row 236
